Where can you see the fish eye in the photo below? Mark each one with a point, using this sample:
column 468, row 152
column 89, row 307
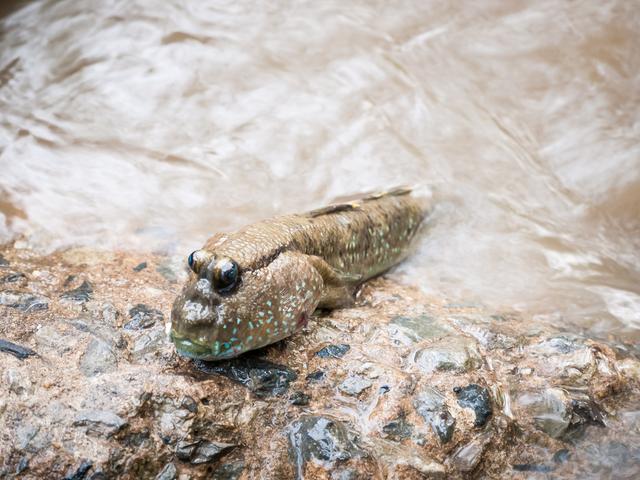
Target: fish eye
column 191, row 261
column 225, row 275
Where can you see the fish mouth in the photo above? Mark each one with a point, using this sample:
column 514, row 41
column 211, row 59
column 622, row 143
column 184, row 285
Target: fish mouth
column 197, row 351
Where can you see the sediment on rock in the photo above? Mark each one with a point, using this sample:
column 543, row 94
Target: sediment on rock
column 399, row 386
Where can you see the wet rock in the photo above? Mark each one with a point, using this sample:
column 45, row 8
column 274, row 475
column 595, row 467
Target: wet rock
column 316, row 376
column 201, row 451
column 80, row 472
column 548, row 408
column 97, row 358
column 478, row 399
column 25, row 302
column 81, row 294
column 467, row 457
column 407, row 330
column 453, row 354
column 16, row 350
column 299, row 398
column 430, row 404
column 141, row 266
column 333, row 351
column 398, row 429
column 169, row 472
column 261, row 377
column 143, row 317
column 354, row 385
column 322, row 439
column 99, row 422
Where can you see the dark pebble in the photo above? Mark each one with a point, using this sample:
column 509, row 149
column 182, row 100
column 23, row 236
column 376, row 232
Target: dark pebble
column 200, row 451
column 561, row 455
column 299, row 398
column 316, row 376
column 69, row 280
column 140, row 267
column 190, row 404
column 22, row 465
column 532, row 467
column 143, row 317
column 431, row 406
column 320, row 438
column 477, row 398
column 586, row 412
column 3, row 261
column 81, row 294
column 333, row 351
column 80, row 472
column 261, row 377
column 16, row 350
column 12, row 278
column 384, row 389
column 398, row 429
column 23, row 301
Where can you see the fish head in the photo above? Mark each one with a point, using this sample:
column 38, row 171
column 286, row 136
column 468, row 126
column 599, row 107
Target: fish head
column 226, row 309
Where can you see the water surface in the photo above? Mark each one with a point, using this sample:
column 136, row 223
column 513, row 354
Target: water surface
column 150, row 125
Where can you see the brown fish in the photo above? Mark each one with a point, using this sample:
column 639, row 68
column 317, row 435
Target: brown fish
column 262, row 283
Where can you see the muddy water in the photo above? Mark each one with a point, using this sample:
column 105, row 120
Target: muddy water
column 150, row 125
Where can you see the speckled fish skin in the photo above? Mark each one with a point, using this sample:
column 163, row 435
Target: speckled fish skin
column 289, row 266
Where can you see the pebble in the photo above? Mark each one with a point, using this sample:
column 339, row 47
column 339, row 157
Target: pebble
column 25, row 302
column 430, row 404
column 398, row 429
column 453, row 354
column 201, row 451
column 98, row 358
column 143, row 317
column 16, row 350
column 81, row 294
column 316, row 376
column 141, row 266
column 3, row 261
column 299, row 398
column 407, row 330
column 100, row 422
column 476, row 398
column 354, row 385
column 261, row 377
column 322, row 439
column 467, row 457
column 333, row 351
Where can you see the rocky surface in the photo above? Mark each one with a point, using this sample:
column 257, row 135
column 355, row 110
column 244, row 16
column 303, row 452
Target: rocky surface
column 399, row 386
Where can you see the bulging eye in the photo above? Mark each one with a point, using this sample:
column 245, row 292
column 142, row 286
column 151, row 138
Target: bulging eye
column 225, row 275
column 191, row 261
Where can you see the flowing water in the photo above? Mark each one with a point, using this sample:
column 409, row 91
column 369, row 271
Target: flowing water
column 150, row 125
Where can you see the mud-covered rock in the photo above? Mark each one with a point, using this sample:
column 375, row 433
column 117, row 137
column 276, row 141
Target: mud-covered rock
column 381, row 374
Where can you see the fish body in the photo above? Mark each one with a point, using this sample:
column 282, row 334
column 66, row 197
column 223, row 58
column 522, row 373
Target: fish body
column 258, row 285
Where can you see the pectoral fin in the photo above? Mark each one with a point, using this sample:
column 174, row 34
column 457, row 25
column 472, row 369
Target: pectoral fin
column 338, row 285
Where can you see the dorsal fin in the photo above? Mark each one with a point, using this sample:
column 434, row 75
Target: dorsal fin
column 335, row 208
column 402, row 190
